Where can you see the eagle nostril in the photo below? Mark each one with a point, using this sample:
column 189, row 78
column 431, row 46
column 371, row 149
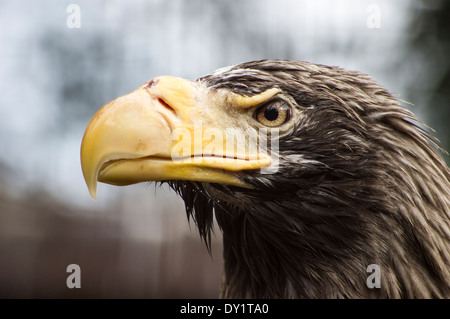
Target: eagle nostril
column 167, row 106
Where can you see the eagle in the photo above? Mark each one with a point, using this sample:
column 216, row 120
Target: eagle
column 322, row 184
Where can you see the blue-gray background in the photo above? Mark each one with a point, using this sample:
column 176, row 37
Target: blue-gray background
column 135, row 241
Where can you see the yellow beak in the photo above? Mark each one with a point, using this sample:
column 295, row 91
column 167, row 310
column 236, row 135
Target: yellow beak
column 137, row 137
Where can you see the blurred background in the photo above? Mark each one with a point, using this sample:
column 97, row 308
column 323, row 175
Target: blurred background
column 60, row 61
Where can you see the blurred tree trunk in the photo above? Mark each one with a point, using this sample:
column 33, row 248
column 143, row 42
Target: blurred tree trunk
column 430, row 38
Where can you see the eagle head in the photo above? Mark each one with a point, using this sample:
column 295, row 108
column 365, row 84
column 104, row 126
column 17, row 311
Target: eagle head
column 313, row 173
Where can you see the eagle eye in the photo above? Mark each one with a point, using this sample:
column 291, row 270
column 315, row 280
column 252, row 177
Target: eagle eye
column 273, row 113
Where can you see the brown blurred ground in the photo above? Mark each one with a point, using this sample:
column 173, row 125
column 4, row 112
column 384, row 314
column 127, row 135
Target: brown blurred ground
column 40, row 237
